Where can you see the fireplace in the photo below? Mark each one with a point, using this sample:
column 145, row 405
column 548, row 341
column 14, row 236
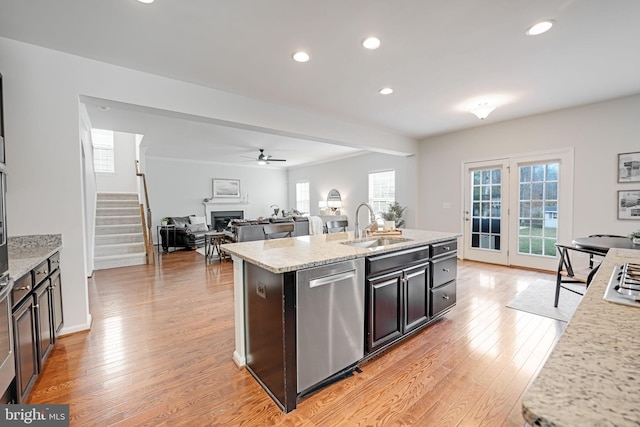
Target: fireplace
column 220, row 219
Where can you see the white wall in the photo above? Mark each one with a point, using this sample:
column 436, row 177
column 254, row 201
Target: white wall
column 350, row 177
column 123, row 179
column 178, row 187
column 598, row 132
column 44, row 161
column 88, row 189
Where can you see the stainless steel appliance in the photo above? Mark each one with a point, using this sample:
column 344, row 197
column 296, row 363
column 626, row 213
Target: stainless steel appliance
column 7, row 362
column 4, row 250
column 624, row 285
column 329, row 321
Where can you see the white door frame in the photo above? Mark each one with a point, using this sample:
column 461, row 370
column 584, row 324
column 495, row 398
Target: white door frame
column 565, row 206
column 565, row 156
column 486, row 255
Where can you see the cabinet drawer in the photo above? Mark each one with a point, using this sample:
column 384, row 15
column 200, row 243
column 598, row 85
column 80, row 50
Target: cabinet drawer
column 444, row 248
column 442, row 298
column 384, row 263
column 444, row 270
column 21, row 288
column 40, row 273
column 54, row 261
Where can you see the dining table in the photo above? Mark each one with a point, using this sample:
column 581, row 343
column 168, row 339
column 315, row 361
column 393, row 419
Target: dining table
column 602, row 244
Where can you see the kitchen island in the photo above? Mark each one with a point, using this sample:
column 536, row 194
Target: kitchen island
column 401, row 281
column 592, row 376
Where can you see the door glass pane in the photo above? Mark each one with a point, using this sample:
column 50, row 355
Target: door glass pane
column 485, row 215
column 538, row 209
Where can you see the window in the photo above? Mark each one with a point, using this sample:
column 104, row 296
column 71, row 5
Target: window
column 102, row 150
column 382, row 190
column 302, row 197
column 538, row 210
column 486, row 211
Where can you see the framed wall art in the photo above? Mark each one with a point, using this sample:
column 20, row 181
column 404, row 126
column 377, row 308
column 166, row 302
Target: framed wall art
column 629, row 204
column 629, row 167
column 226, row 188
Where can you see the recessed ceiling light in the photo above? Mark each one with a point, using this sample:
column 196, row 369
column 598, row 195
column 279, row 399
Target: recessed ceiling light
column 386, row 91
column 146, row 1
column 540, row 27
column 371, row 43
column 300, row 56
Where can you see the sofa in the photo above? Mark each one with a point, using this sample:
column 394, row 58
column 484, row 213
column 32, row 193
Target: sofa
column 188, row 233
column 251, row 230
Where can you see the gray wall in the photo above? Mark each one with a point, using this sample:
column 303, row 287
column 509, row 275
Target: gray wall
column 178, row 187
column 350, row 176
column 598, row 132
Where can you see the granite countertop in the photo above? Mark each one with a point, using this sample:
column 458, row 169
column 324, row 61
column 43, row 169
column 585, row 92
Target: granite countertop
column 26, row 252
column 593, row 374
column 296, row 253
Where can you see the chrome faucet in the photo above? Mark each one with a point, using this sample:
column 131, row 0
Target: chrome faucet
column 372, row 217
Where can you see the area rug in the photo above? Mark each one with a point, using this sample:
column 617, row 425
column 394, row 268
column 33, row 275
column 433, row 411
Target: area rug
column 200, row 251
column 538, row 299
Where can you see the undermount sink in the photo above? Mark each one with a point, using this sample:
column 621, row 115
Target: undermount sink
column 376, row 242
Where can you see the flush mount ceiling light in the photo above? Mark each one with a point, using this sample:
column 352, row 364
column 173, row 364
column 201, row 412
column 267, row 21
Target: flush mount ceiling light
column 540, row 27
column 146, row 1
column 300, row 56
column 386, row 91
column 371, row 43
column 104, row 108
column 482, row 110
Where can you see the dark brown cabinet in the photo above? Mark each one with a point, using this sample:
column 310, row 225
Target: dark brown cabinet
column 37, row 320
column 56, row 301
column 25, row 346
column 443, row 281
column 397, row 295
column 408, row 289
column 44, row 325
column 385, row 310
column 416, row 301
column 398, row 304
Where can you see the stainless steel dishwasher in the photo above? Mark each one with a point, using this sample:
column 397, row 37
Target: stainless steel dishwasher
column 329, row 320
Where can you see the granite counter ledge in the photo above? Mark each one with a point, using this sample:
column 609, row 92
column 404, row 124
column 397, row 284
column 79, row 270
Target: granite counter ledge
column 591, row 377
column 26, row 252
column 297, row 253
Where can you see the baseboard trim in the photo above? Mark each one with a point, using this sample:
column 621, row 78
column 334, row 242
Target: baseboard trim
column 76, row 328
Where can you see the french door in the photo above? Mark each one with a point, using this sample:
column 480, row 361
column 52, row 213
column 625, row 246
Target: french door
column 517, row 208
column 485, row 212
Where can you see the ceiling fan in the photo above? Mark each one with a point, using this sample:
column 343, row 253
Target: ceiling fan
column 265, row 159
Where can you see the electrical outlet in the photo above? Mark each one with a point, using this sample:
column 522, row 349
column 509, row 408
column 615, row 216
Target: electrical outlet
column 261, row 290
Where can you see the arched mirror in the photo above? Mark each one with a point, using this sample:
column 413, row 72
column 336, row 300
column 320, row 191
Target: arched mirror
column 334, row 201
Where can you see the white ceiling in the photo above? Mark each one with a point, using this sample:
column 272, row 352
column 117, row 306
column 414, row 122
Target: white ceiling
column 438, row 55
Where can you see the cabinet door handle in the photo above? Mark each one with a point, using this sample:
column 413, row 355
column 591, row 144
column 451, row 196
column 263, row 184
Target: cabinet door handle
column 445, row 296
column 446, row 270
column 24, row 288
column 446, row 248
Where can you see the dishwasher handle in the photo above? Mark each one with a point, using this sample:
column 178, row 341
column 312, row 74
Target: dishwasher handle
column 327, row 280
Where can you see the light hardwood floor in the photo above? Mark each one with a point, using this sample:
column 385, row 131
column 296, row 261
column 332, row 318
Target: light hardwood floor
column 159, row 353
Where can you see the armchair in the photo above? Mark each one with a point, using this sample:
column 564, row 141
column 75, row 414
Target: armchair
column 187, row 235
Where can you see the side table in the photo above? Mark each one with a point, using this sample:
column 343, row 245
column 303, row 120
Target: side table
column 164, row 230
column 212, row 242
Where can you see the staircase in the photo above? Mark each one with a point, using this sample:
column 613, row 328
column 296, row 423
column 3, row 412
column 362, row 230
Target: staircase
column 119, row 238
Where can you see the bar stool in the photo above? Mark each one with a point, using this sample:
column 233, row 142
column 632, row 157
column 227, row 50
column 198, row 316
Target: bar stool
column 278, row 230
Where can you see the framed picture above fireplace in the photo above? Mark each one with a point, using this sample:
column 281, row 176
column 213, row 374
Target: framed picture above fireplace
column 226, row 188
